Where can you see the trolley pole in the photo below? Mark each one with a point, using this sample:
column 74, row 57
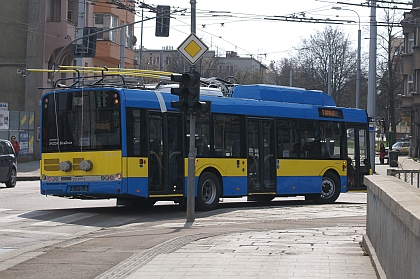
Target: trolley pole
column 192, row 151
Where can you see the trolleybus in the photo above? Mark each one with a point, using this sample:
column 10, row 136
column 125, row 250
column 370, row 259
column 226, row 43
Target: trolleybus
column 262, row 142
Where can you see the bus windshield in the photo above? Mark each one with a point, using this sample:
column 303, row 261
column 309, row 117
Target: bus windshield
column 82, row 120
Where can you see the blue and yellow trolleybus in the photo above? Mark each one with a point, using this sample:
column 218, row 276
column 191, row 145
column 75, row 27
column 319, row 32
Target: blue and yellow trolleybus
column 262, row 142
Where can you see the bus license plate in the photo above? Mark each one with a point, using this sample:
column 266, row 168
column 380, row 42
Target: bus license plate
column 78, row 189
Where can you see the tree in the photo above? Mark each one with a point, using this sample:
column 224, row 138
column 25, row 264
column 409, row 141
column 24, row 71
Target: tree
column 280, row 72
column 390, row 77
column 312, row 62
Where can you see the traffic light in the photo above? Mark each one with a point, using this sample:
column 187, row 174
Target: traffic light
column 202, row 107
column 182, row 93
column 163, row 16
column 188, row 91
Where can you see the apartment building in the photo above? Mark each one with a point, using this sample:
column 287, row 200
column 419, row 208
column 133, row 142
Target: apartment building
column 410, row 99
column 35, row 34
column 244, row 70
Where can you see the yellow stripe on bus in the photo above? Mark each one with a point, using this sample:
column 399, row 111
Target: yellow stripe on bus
column 106, row 162
column 295, row 167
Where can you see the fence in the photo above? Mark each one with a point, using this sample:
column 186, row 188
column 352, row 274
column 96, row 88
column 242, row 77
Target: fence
column 409, row 176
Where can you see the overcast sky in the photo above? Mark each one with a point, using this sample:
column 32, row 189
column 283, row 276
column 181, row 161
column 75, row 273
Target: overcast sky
column 242, row 26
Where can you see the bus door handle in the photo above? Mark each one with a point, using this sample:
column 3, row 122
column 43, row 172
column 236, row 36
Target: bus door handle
column 278, row 163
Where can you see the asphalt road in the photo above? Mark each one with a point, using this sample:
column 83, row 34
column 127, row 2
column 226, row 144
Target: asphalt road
column 50, row 237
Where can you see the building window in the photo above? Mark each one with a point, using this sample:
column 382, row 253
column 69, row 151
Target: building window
column 70, row 15
column 399, row 50
column 106, row 21
column 99, row 24
column 113, row 36
column 410, row 43
column 54, row 11
column 129, row 37
column 410, row 85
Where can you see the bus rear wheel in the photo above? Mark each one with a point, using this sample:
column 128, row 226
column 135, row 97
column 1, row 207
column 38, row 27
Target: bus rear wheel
column 208, row 192
column 330, row 188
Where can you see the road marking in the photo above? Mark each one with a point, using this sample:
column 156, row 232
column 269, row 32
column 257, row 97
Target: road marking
column 35, row 232
column 22, row 216
column 65, row 219
column 113, row 222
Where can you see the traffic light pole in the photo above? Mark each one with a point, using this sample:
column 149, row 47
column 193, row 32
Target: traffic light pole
column 192, row 152
column 191, row 173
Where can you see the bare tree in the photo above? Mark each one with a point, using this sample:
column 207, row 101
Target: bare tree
column 312, row 62
column 280, row 72
column 390, row 77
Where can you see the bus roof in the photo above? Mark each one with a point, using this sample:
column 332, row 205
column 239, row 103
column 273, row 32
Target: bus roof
column 283, row 94
column 253, row 106
column 276, row 102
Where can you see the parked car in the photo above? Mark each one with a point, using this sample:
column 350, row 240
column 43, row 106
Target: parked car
column 402, row 147
column 8, row 164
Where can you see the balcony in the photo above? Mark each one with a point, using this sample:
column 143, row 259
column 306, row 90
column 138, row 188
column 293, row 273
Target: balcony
column 406, row 102
column 407, row 63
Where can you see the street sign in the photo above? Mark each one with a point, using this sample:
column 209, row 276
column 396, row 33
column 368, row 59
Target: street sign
column 192, row 48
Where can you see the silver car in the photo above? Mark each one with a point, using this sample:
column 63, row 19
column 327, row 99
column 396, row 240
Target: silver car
column 8, row 164
column 402, row 147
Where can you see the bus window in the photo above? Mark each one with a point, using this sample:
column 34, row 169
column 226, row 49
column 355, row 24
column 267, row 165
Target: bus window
column 286, row 137
column 202, row 136
column 136, row 133
column 81, row 121
column 227, row 136
column 331, row 138
column 310, row 139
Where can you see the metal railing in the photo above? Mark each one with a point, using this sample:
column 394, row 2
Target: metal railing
column 409, row 176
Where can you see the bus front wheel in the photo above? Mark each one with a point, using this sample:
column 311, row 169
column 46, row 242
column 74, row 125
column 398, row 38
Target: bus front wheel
column 208, row 192
column 330, row 188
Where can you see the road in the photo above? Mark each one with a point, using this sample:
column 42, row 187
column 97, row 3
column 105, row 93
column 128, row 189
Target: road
column 36, row 230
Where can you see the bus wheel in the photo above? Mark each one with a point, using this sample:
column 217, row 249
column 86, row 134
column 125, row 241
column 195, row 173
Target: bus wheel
column 208, row 192
column 330, row 188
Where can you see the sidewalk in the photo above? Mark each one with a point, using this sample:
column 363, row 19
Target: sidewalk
column 28, row 171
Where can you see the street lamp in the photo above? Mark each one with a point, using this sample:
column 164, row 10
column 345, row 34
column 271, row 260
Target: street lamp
column 359, row 35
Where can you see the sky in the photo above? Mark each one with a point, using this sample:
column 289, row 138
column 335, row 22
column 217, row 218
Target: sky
column 243, row 27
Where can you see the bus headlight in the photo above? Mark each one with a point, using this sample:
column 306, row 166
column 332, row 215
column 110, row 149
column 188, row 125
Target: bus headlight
column 65, row 166
column 86, row 165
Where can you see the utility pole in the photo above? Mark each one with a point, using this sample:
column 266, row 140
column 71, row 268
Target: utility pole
column 359, row 39
column 192, row 151
column 371, row 106
column 329, row 75
column 141, row 42
column 80, row 26
column 122, row 45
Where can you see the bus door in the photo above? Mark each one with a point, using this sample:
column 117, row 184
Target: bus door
column 261, row 159
column 358, row 163
column 166, row 164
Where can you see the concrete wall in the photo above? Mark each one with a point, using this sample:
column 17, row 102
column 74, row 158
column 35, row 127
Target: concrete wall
column 393, row 226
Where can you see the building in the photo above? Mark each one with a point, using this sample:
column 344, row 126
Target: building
column 36, row 34
column 410, row 99
column 243, row 70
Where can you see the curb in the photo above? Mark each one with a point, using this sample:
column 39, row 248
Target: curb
column 28, row 178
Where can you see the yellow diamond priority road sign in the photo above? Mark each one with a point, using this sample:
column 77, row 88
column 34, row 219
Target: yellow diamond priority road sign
column 192, row 48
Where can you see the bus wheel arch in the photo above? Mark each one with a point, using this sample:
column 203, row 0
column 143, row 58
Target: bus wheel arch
column 331, row 188
column 209, row 190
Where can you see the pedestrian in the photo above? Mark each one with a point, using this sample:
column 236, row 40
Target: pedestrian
column 16, row 145
column 382, row 153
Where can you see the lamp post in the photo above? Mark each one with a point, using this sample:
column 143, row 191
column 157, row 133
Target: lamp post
column 359, row 38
